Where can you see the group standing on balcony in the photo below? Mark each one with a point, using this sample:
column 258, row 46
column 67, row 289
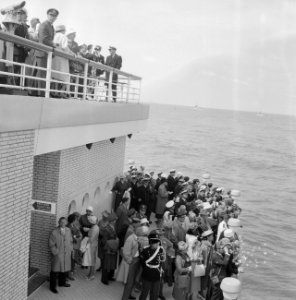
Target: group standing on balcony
column 67, row 76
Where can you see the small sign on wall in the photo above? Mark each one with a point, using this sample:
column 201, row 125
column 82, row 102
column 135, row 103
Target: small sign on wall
column 44, row 206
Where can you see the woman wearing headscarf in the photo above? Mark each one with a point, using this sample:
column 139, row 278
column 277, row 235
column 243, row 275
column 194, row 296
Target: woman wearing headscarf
column 198, row 269
column 182, row 272
column 90, row 255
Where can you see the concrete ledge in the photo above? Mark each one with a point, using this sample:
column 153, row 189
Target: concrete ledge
column 25, row 112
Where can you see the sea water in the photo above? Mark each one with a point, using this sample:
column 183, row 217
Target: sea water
column 250, row 152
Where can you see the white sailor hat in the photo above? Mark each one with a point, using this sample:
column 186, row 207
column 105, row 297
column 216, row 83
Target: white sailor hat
column 202, row 188
column 207, row 233
column 228, row 233
column 170, row 204
column 173, row 171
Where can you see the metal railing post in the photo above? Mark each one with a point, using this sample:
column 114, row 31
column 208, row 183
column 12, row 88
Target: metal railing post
column 48, row 74
column 85, row 81
column 140, row 86
column 110, row 86
column 128, row 89
column 23, row 73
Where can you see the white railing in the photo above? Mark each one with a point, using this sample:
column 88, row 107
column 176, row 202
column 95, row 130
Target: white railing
column 80, row 85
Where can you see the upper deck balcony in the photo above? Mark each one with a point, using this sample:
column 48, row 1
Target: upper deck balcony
column 81, row 109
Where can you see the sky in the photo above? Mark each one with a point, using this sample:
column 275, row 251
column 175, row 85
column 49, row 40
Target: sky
column 160, row 40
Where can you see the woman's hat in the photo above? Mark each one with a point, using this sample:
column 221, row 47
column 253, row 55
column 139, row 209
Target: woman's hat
column 144, row 221
column 182, row 246
column 181, row 211
column 92, row 220
column 60, row 28
column 207, row 233
column 71, row 31
column 90, row 208
column 142, row 231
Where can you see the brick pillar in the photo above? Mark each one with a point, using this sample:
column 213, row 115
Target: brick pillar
column 45, row 188
column 16, row 166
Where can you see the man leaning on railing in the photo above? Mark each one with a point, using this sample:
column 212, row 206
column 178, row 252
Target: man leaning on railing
column 45, row 36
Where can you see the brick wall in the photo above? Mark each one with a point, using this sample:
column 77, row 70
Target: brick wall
column 45, row 188
column 74, row 177
column 16, row 166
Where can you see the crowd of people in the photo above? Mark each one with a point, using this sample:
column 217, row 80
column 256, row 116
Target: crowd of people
column 170, row 230
column 66, row 73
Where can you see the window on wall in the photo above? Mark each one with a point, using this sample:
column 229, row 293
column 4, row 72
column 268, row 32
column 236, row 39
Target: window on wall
column 72, row 207
column 85, row 202
column 97, row 202
column 107, row 187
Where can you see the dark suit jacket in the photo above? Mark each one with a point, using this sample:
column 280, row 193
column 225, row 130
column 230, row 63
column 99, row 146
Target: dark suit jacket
column 45, row 36
column 114, row 62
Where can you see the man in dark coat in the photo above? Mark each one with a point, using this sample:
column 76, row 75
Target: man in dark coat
column 114, row 61
column 171, row 183
column 98, row 57
column 122, row 222
column 118, row 189
column 45, row 36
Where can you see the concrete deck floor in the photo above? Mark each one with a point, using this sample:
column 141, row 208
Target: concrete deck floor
column 82, row 289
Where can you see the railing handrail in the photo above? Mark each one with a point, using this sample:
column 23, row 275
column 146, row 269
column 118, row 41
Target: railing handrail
column 41, row 47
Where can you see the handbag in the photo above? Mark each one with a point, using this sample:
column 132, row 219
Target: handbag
column 199, row 270
column 83, row 244
column 215, row 279
column 183, row 281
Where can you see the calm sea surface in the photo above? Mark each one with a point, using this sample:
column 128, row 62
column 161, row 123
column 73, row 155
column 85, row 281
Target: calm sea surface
column 245, row 151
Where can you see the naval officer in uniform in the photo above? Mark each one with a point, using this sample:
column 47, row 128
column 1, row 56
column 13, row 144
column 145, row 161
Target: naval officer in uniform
column 152, row 258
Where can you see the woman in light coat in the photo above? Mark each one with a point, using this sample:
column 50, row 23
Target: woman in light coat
column 90, row 255
column 61, row 64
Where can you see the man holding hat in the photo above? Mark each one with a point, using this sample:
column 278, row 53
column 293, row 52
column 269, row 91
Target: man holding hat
column 114, row 61
column 45, row 36
column 151, row 258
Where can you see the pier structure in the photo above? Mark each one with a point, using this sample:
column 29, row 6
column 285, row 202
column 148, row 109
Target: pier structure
column 57, row 155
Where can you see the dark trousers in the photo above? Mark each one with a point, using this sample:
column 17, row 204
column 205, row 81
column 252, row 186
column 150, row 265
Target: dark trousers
column 106, row 276
column 152, row 287
column 132, row 274
column 53, row 279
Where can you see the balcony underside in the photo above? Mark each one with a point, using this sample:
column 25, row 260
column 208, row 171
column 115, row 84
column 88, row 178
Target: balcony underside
column 61, row 124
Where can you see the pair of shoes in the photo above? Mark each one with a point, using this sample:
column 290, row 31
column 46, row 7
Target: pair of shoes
column 54, row 291
column 66, row 285
column 91, row 278
column 132, row 297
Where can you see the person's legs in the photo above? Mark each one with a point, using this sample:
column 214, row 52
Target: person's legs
column 104, row 278
column 62, row 278
column 53, row 281
column 155, row 290
column 130, row 279
column 145, row 290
